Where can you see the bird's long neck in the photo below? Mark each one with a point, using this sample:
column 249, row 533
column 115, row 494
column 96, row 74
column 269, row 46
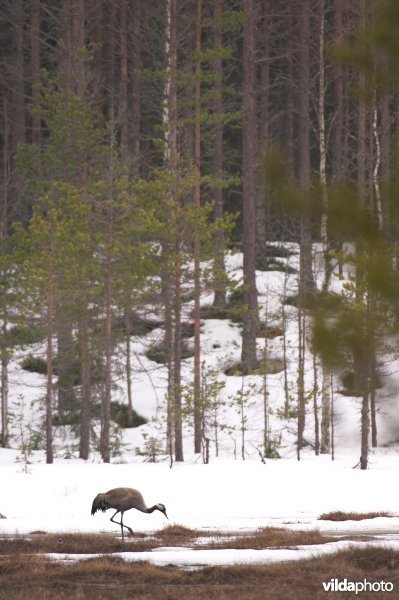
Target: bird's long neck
column 152, row 508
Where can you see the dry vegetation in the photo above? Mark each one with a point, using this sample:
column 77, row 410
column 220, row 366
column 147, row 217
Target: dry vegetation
column 27, row 577
column 339, row 515
column 175, row 535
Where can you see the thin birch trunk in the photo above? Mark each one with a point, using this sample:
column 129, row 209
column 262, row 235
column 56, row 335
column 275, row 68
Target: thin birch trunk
column 316, row 408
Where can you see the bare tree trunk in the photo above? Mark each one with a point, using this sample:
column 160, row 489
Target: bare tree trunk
column 376, row 169
column 106, row 397
column 373, row 407
column 4, row 397
column 285, row 359
column 198, row 425
column 35, row 66
column 128, row 327
column 85, row 413
column 337, row 131
column 3, row 234
column 323, row 152
column 108, row 285
column 385, row 158
column 365, row 429
column 316, row 408
column 325, row 411
column 178, row 416
column 250, row 322
column 306, row 262
column 172, row 279
column 135, row 105
column 49, row 357
column 301, row 382
column 71, row 65
column 123, row 92
column 361, row 370
column 18, row 115
column 262, row 202
column 265, row 392
column 168, row 121
column 325, row 387
column 110, row 51
column 218, row 154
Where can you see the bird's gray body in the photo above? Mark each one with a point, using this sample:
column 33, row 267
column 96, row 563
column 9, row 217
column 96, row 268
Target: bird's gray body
column 123, row 499
column 119, row 498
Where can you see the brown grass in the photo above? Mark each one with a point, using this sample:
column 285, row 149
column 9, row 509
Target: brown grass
column 71, row 543
column 26, row 578
column 173, row 535
column 272, row 537
column 339, row 515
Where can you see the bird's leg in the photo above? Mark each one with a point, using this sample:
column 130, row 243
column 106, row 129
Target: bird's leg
column 121, row 523
column 117, row 522
column 128, row 528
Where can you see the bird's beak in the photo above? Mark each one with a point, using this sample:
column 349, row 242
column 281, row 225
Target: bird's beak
column 166, row 515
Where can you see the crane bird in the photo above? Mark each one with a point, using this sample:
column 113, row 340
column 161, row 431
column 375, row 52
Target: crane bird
column 123, row 499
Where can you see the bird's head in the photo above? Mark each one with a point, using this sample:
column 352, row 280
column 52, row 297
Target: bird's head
column 162, row 509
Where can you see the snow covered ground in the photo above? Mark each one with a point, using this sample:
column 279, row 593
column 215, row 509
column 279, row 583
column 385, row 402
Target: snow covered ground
column 224, row 496
column 229, row 494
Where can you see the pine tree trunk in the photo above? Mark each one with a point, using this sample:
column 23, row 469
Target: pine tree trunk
column 250, row 322
column 337, row 131
column 178, row 417
column 323, row 153
column 17, row 108
column 168, row 116
column 362, row 193
column 123, row 91
column 85, row 412
column 66, row 358
column 35, row 67
column 4, row 385
column 3, row 235
column 172, row 279
column 135, row 105
column 198, row 425
column 325, row 411
column 128, row 326
column 50, row 358
column 219, row 300
column 365, row 429
column 110, row 56
column 262, row 201
column 106, row 398
column 325, row 445
column 301, row 382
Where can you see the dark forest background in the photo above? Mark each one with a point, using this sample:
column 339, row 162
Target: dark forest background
column 142, row 140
